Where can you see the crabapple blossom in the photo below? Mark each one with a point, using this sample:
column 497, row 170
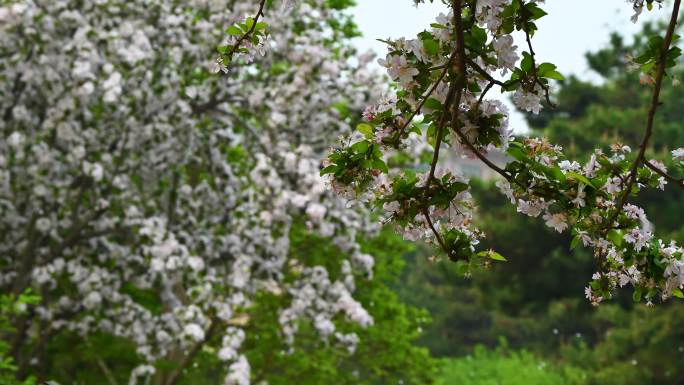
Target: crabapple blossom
column 127, row 166
column 442, row 98
column 678, row 154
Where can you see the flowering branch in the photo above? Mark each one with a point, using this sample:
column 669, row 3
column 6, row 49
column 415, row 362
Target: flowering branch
column 655, row 102
column 676, row 181
column 249, row 32
column 538, row 178
column 419, row 108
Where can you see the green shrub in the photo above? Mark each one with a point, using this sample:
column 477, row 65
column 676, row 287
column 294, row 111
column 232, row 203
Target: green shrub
column 504, row 367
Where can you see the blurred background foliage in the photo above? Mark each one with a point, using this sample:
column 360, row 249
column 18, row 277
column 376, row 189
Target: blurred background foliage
column 534, row 302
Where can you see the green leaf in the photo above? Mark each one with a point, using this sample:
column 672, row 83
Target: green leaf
column 462, row 268
column 517, row 153
column 545, row 68
column 579, row 178
column 615, row 236
column 366, row 129
column 380, row 165
column 479, row 36
column 431, row 47
column 330, row 169
column 493, row 255
column 537, row 13
column 548, row 70
column 527, row 63
column 433, row 104
column 496, row 256
column 234, row 30
column 360, row 147
column 575, row 242
column 676, row 292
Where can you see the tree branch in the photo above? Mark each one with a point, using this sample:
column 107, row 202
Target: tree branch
column 242, row 38
column 678, row 182
column 655, row 101
column 426, row 97
column 484, row 73
column 187, row 360
column 455, row 92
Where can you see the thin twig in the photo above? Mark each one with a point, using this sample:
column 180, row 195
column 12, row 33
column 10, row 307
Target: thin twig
column 484, row 73
column 536, row 79
column 426, row 97
column 455, row 88
column 438, row 236
column 678, row 182
column 482, row 96
column 187, row 360
column 242, row 38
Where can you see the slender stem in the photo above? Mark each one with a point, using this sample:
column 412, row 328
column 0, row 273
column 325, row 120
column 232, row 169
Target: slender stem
column 484, row 159
column 427, row 96
column 482, row 96
column 528, row 38
column 678, row 182
column 484, row 73
column 242, row 38
column 456, row 88
column 438, row 236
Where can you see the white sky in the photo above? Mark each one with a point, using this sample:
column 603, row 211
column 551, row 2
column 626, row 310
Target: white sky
column 572, row 28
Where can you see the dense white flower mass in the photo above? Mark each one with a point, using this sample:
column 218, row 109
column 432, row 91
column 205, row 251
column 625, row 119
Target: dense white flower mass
column 126, row 165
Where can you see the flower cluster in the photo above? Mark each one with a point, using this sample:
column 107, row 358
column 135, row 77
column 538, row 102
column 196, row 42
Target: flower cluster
column 145, row 197
column 245, row 39
column 639, row 5
column 443, row 77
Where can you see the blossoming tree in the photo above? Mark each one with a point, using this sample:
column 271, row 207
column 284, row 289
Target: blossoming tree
column 145, row 197
column 445, row 76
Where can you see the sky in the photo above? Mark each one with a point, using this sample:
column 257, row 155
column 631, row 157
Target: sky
column 572, row 28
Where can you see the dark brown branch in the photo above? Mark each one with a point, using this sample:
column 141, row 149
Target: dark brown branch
column 484, row 159
column 484, row 73
column 455, row 87
column 438, row 236
column 462, row 68
column 482, row 96
column 247, row 34
column 187, row 360
column 655, row 101
column 678, row 182
column 455, row 90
